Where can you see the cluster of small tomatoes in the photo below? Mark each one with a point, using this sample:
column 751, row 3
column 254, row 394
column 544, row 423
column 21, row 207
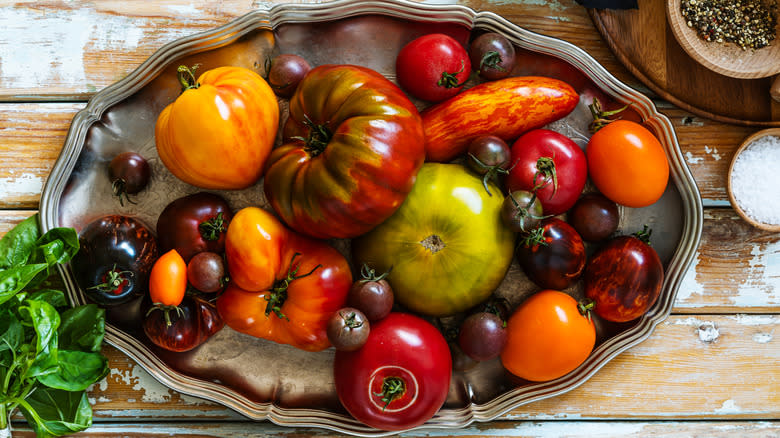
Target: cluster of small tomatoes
column 435, row 203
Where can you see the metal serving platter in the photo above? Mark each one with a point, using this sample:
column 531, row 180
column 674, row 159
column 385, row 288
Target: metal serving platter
column 267, row 381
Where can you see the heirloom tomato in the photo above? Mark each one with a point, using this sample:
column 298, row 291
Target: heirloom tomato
column 218, row 133
column 129, row 173
column 400, row 378
column 348, row 329
column 447, row 245
column 594, row 217
column 492, row 56
column 627, row 163
column 193, row 224
column 553, row 256
column 168, row 280
column 195, row 321
column 624, row 277
column 548, row 335
column 283, row 287
column 550, row 164
column 433, row 67
column 353, row 145
column 372, row 294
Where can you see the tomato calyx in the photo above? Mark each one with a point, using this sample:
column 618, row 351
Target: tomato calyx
column 351, row 320
column 119, row 189
column 450, row 80
column 392, row 388
column 318, row 138
column 524, row 212
column 644, row 234
column 601, row 118
column 488, row 172
column 586, row 308
column 369, row 274
column 534, row 237
column 187, row 78
column 113, row 281
column 545, row 168
column 212, row 228
column 491, row 59
column 166, row 309
column 278, row 292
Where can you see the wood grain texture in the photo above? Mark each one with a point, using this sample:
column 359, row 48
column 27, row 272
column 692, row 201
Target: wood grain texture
column 674, row 75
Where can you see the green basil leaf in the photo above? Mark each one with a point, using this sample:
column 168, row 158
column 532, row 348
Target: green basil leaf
column 17, row 244
column 45, row 320
column 82, row 328
column 57, row 246
column 54, row 297
column 14, row 279
column 56, row 412
column 11, row 332
column 77, row 370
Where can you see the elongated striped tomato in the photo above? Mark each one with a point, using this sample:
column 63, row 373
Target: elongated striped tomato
column 218, row 133
column 505, row 108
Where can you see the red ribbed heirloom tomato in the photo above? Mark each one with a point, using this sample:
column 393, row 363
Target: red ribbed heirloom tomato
column 283, row 287
column 353, row 145
column 400, row 378
column 218, row 133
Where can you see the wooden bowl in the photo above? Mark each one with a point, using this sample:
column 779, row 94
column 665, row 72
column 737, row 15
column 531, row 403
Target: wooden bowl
column 732, row 199
column 725, row 58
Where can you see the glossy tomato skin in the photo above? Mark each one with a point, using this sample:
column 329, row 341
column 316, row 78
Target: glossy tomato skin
column 359, row 161
column 547, row 337
column 433, row 67
column 283, row 286
column 624, row 277
column 594, row 217
column 447, row 245
column 569, row 163
column 400, row 346
column 195, row 322
column 193, row 224
column 505, row 108
column 117, row 243
column 168, row 279
column 627, row 163
column 219, row 134
column 559, row 261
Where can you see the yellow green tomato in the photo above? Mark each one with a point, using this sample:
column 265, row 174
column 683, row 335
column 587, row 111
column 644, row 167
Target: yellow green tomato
column 447, row 245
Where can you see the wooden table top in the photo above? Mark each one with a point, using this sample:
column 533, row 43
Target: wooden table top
column 711, row 369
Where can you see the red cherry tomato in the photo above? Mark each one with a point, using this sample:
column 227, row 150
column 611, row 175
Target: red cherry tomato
column 433, row 67
column 551, row 162
column 399, row 378
column 627, row 164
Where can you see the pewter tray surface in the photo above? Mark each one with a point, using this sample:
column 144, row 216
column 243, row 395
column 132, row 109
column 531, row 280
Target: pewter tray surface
column 290, row 387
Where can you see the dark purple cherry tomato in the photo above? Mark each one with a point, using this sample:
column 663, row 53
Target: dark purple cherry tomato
column 285, row 71
column 489, row 156
column 433, row 67
column 594, row 217
column 482, row 336
column 553, row 257
column 372, row 294
column 129, row 173
column 348, row 329
column 114, row 260
column 195, row 321
column 522, row 211
column 624, row 277
column 550, row 164
column 206, row 271
column 492, row 56
column 193, row 224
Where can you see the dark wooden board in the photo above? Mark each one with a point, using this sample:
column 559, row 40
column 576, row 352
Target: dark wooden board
column 643, row 41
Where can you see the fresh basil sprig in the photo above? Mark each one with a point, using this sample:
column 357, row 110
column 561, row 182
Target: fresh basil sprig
column 49, row 353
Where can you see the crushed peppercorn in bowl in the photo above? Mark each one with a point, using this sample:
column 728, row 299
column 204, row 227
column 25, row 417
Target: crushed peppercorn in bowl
column 760, row 37
column 753, row 180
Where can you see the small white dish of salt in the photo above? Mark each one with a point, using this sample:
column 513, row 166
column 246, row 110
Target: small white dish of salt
column 754, row 180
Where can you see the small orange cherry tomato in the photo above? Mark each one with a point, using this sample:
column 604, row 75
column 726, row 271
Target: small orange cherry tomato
column 168, row 280
column 627, row 164
column 547, row 337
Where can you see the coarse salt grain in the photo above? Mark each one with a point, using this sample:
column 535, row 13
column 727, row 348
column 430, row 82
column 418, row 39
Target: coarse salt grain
column 755, row 180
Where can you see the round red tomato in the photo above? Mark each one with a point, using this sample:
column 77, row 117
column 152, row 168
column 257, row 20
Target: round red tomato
column 553, row 164
column 627, row 164
column 433, row 67
column 547, row 337
column 400, row 378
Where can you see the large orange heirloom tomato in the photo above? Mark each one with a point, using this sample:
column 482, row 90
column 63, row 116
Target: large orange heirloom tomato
column 218, row 133
column 283, row 286
column 353, row 145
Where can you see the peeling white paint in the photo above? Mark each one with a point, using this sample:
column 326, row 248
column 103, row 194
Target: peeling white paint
column 713, row 152
column 755, row 320
column 728, row 407
column 154, row 391
column 691, row 159
column 763, row 338
column 689, row 286
column 758, row 290
column 708, row 332
column 24, row 185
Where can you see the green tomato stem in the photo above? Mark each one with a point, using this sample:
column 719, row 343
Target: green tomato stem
column 392, row 388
